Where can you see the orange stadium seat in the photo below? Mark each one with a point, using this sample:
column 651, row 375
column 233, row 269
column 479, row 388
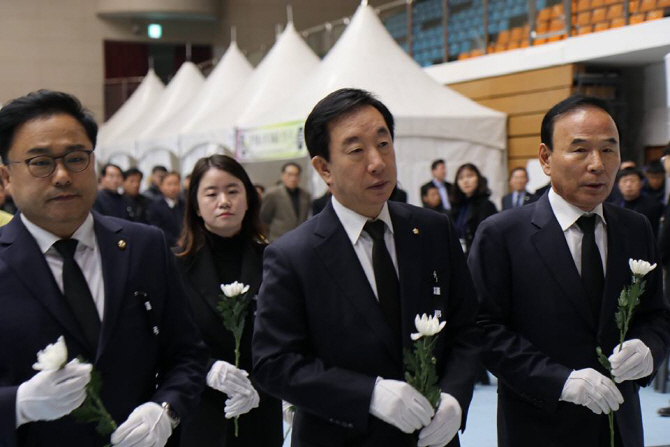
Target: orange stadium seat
column 601, row 27
column 582, row 5
column 655, row 15
column 663, row 4
column 541, row 41
column 503, row 37
column 557, row 10
column 542, row 27
column 583, row 18
column 476, row 52
column 647, row 5
column 637, row 18
column 556, row 24
column 588, row 29
column 611, row 2
column 598, row 15
column 614, row 11
column 618, row 22
column 516, row 34
column 597, row 4
column 633, row 6
column 513, row 45
column 544, row 14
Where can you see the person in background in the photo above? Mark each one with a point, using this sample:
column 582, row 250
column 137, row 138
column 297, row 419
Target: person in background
column 260, row 189
column 109, row 201
column 136, row 203
column 654, row 182
column 108, row 286
column 320, row 203
column 549, row 275
column 431, row 199
column 630, row 186
column 167, row 211
column 470, row 203
column 665, row 159
column 286, row 205
column 439, row 171
column 222, row 243
column 5, row 217
column 518, row 179
column 153, row 192
column 185, row 184
column 398, row 195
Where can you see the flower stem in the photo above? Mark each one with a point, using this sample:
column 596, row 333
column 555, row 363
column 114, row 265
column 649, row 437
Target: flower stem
column 238, row 339
column 610, row 417
column 100, row 408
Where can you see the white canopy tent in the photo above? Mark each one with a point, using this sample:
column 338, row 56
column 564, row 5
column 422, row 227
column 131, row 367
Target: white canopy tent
column 142, row 99
column 277, row 78
column 223, row 82
column 432, row 121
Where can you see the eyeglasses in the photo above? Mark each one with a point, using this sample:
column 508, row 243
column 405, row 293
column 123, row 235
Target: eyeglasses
column 43, row 166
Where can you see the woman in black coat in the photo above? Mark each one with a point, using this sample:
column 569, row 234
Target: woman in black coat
column 222, row 243
column 470, row 203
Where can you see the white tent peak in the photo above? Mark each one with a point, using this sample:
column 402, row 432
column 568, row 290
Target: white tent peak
column 135, row 106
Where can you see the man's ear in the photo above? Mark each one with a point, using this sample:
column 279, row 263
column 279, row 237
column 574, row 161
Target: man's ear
column 4, row 178
column 544, row 154
column 323, row 168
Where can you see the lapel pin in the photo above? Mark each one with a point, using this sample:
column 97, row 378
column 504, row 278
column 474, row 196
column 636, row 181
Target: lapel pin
column 122, row 244
column 415, row 231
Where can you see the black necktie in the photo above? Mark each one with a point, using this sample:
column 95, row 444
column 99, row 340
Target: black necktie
column 592, row 266
column 77, row 294
column 385, row 276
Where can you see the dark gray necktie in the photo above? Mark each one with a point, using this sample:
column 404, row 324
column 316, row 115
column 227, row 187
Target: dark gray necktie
column 385, row 276
column 593, row 277
column 77, row 294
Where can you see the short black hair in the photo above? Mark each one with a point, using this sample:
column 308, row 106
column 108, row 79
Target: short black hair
column 159, row 168
column 436, row 163
column 103, row 171
column 426, row 188
column 655, row 167
column 518, row 168
column 569, row 104
column 132, row 171
column 630, row 171
column 291, row 163
column 336, row 105
column 41, row 104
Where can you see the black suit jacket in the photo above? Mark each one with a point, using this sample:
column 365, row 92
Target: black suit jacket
column 137, row 365
column 110, row 203
column 320, row 338
column 262, row 426
column 425, row 186
column 538, row 325
column 648, row 207
column 170, row 220
column 476, row 210
column 507, row 200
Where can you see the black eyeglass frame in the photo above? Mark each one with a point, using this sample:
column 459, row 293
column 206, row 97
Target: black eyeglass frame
column 27, row 161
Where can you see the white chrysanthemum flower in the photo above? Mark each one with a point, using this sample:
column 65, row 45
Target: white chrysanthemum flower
column 640, row 267
column 53, row 357
column 427, row 326
column 234, row 289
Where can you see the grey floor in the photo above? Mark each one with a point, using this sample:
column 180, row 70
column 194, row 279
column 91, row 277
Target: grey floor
column 481, row 430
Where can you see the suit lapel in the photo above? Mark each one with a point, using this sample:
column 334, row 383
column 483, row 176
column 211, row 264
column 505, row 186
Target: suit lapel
column 115, row 251
column 553, row 249
column 24, row 257
column 203, row 276
column 617, row 269
column 337, row 253
column 408, row 253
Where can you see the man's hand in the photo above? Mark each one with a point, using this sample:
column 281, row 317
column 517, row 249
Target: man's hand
column 50, row 395
column 593, row 390
column 444, row 425
column 147, row 426
column 631, row 360
column 400, row 405
column 241, row 403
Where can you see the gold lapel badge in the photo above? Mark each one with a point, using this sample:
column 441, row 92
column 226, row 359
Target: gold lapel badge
column 415, row 231
column 122, row 244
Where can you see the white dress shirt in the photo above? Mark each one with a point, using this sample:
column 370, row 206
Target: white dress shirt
column 567, row 215
column 87, row 257
column 353, row 224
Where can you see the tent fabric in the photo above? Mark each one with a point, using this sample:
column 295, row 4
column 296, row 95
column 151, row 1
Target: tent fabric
column 232, row 71
column 432, row 121
column 278, row 77
column 142, row 99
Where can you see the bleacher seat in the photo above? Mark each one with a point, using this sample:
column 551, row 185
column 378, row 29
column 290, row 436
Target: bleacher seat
column 618, row 22
column 582, row 5
column 647, row 5
column 544, row 14
column 557, row 11
column 583, row 18
column 633, row 6
column 586, row 29
column 614, row 11
column 602, row 26
column 636, row 18
column 663, row 4
column 598, row 15
column 655, row 15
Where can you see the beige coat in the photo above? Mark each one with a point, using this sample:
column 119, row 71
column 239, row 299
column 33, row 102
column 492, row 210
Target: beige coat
column 277, row 211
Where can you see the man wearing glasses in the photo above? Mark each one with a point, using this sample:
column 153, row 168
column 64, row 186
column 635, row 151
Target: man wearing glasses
column 105, row 284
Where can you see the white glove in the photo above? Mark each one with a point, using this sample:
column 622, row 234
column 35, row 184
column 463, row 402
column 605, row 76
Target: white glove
column 52, row 394
column 593, row 390
column 400, row 405
column 147, row 426
column 241, row 404
column 287, row 412
column 228, row 379
column 444, row 425
column 631, row 360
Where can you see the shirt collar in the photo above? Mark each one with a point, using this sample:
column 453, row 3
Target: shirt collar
column 567, row 214
column 171, row 203
column 85, row 234
column 353, row 222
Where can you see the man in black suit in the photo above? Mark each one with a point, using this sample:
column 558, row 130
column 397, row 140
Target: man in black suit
column 158, row 173
column 654, row 182
column 109, row 202
column 439, row 170
column 549, row 275
column 136, row 203
column 167, row 211
column 630, row 186
column 337, row 307
column 518, row 179
column 108, row 286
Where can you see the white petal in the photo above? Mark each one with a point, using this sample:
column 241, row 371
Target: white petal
column 53, row 357
column 415, row 336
